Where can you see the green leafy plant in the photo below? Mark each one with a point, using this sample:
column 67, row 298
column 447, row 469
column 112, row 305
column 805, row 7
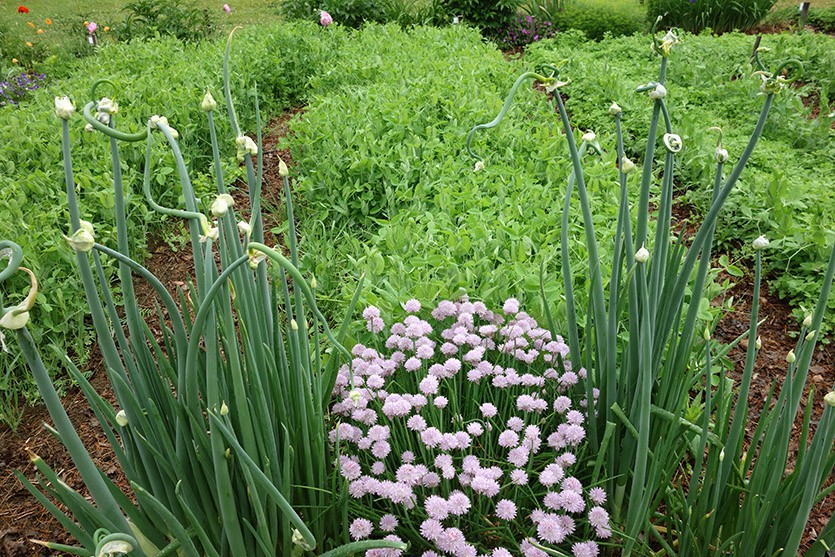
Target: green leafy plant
column 221, row 428
column 721, row 17
column 597, row 18
column 152, row 18
column 488, row 16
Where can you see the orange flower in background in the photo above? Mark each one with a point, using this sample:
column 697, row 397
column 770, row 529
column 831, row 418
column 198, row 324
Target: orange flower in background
column 29, row 44
column 22, row 10
column 106, row 28
column 30, row 24
column 40, row 31
column 15, row 61
column 48, row 21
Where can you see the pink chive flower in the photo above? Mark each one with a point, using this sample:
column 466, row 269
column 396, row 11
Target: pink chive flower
column 325, row 18
column 585, row 549
column 411, row 306
column 488, row 410
column 227, row 9
column 597, row 495
column 506, row 509
column 598, row 517
column 360, row 528
column 388, row 523
column 511, row 306
column 91, row 27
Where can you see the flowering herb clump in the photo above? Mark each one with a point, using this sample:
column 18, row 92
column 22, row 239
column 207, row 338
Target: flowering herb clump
column 464, row 435
column 16, row 88
column 524, row 30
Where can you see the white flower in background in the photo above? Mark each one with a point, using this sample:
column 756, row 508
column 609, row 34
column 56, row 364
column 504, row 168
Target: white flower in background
column 721, row 155
column 89, row 128
column 224, row 409
column 246, row 146
column 829, row 398
column 283, row 171
column 554, row 85
column 211, row 233
column 659, row 92
column 479, row 166
column 64, row 107
column 790, row 357
column 807, row 321
column 255, row 258
column 615, row 109
column 244, row 228
column 299, row 540
column 221, row 204
column 209, row 103
column 760, row 243
column 642, row 255
column 589, row 137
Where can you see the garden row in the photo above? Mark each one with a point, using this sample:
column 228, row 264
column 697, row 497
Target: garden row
column 380, row 144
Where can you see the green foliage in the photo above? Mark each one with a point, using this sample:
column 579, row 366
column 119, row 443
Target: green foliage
column 822, row 19
column 548, row 9
column 524, row 30
column 597, row 18
column 152, row 18
column 34, row 215
column 719, row 15
column 350, row 13
column 490, row 16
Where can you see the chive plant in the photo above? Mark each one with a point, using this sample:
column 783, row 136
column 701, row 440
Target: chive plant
column 220, row 426
column 681, row 484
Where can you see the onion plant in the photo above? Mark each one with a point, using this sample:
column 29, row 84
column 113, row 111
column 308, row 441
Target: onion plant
column 220, row 423
column 681, row 479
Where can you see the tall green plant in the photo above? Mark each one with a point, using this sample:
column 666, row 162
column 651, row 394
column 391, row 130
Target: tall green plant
column 718, row 15
column 220, row 424
column 657, row 405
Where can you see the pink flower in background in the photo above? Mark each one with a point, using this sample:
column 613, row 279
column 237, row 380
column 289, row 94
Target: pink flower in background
column 91, row 27
column 325, row 18
column 227, row 9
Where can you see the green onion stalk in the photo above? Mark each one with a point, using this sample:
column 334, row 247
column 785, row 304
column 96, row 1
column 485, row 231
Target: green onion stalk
column 220, row 422
column 679, row 481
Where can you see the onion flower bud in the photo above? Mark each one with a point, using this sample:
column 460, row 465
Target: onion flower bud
column 721, row 155
column 82, row 239
column 659, row 92
column 246, row 146
column 829, row 398
column 108, row 106
column 790, row 357
column 615, row 109
column 627, row 166
column 121, row 418
column 760, row 243
column 64, row 107
column 642, row 255
column 18, row 316
column 221, row 204
column 672, row 141
column 209, row 103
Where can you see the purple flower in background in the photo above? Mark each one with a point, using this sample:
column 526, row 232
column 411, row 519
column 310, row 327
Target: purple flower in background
column 227, row 9
column 325, row 18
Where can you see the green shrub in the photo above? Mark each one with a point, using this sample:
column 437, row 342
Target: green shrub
column 489, row 16
column 822, row 19
column 350, row 13
column 151, row 18
column 719, row 15
column 596, row 18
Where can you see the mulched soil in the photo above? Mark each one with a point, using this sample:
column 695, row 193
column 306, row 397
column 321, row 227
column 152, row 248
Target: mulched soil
column 23, row 519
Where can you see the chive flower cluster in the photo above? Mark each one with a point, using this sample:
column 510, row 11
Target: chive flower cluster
column 525, row 30
column 464, row 434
